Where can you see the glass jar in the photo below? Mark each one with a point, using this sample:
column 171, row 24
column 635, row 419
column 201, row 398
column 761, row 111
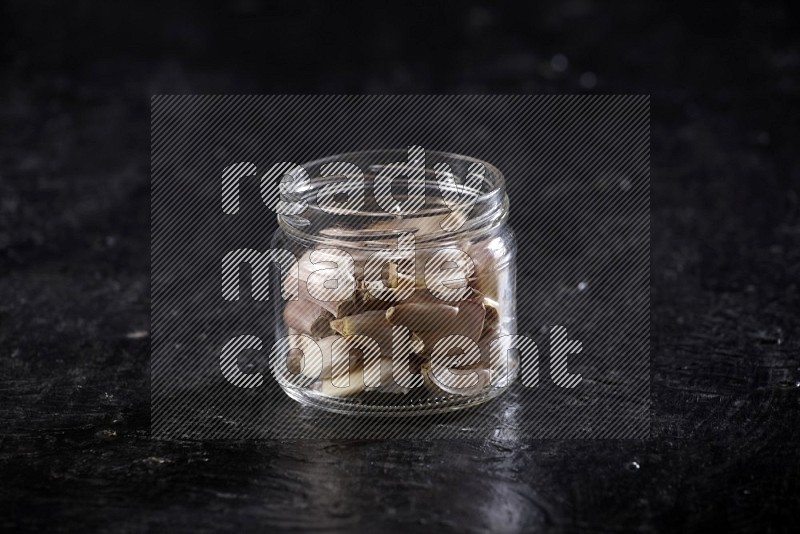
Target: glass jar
column 404, row 283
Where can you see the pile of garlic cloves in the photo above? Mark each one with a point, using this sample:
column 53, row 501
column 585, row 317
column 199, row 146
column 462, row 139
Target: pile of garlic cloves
column 362, row 337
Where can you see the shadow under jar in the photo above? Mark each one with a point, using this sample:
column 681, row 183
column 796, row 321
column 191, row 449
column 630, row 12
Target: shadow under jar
column 405, row 283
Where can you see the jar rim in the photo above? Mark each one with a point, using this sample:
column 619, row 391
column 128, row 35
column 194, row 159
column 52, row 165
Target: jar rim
column 492, row 199
column 498, row 184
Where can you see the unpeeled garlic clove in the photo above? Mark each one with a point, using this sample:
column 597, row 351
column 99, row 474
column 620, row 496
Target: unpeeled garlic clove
column 344, row 382
column 370, row 323
column 342, row 372
column 417, row 344
column 483, row 383
column 491, row 320
column 392, row 340
column 347, row 307
column 419, row 296
column 306, row 268
column 392, row 279
column 424, row 296
column 491, row 258
column 397, row 287
column 354, row 387
column 470, row 319
column 299, row 346
column 308, row 318
column 331, row 307
column 467, row 322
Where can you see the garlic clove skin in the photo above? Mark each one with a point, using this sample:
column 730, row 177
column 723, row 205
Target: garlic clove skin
column 491, row 320
column 483, row 383
column 370, row 323
column 301, row 345
column 346, row 280
column 344, row 382
column 307, row 317
column 432, row 322
column 353, row 387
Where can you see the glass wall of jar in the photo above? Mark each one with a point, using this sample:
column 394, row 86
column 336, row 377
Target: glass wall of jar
column 405, row 283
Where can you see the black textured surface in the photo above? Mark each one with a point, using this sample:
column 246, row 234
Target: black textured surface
column 75, row 451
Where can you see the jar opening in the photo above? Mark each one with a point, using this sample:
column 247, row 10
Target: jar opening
column 370, row 197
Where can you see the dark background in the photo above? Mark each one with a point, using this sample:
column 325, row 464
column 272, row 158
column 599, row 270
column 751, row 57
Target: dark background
column 75, row 452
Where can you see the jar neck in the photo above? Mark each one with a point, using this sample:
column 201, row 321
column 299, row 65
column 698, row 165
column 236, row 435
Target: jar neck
column 368, row 199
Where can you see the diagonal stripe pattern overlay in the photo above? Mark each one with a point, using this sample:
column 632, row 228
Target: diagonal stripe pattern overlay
column 578, row 183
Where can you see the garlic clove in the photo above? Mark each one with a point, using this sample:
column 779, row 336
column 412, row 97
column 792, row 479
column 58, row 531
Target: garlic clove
column 308, row 318
column 432, row 322
column 346, row 280
column 491, row 320
column 370, row 323
column 470, row 319
column 344, row 382
column 301, row 345
column 343, row 387
column 460, row 387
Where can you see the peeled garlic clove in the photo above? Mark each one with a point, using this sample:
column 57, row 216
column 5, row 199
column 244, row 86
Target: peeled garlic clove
column 422, row 317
